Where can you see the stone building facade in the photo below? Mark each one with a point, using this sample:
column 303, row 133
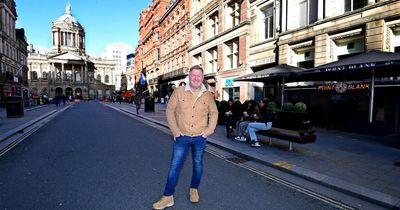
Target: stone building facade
column 312, row 33
column 13, row 53
column 219, row 43
column 67, row 69
column 231, row 38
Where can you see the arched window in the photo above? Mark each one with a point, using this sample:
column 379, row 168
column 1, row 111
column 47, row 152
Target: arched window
column 34, row 75
column 107, row 79
column 99, row 77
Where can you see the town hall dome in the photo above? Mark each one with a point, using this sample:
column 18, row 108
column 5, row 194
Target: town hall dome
column 67, row 18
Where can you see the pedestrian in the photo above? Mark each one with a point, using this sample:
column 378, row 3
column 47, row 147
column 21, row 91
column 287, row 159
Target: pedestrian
column 166, row 98
column 192, row 116
column 138, row 101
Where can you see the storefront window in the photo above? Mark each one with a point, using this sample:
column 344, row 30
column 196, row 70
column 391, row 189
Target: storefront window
column 231, row 93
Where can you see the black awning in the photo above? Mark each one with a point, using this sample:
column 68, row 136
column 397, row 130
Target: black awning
column 359, row 66
column 276, row 72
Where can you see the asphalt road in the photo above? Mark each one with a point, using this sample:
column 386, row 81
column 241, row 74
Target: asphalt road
column 92, row 157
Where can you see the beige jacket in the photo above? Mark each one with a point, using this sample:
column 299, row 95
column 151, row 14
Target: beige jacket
column 190, row 116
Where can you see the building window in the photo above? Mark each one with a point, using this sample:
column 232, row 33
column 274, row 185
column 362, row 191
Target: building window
column 58, row 77
column 212, row 60
column 44, row 75
column 350, row 5
column 69, row 76
column 107, row 79
column 157, row 35
column 232, row 55
column 395, row 39
column 34, row 76
column 197, row 35
column 213, row 24
column 98, row 77
column 233, row 14
column 197, row 59
column 158, row 55
column 268, row 22
column 308, row 12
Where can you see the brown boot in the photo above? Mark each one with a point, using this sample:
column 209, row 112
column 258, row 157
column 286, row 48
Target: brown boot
column 164, row 202
column 194, row 195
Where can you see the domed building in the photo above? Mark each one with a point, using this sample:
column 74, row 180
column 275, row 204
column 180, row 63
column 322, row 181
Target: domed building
column 67, row 70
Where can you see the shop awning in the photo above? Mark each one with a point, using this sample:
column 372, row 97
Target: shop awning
column 367, row 65
column 276, row 72
column 356, row 67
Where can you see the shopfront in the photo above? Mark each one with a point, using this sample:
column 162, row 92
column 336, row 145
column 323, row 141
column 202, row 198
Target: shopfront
column 230, row 89
column 345, row 105
column 360, row 93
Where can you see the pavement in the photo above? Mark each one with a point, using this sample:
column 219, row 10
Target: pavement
column 359, row 165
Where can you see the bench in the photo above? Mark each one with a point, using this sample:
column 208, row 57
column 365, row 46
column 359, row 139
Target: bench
column 292, row 127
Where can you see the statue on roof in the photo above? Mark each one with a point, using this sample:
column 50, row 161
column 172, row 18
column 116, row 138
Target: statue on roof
column 68, row 8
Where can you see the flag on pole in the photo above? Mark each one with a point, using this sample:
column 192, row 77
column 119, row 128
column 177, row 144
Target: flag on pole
column 142, row 79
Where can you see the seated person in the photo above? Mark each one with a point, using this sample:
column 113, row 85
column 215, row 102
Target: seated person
column 231, row 117
column 265, row 123
column 249, row 115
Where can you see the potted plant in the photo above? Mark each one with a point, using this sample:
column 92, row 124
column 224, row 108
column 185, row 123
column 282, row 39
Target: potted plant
column 292, row 116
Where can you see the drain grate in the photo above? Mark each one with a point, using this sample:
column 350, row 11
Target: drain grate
column 236, row 160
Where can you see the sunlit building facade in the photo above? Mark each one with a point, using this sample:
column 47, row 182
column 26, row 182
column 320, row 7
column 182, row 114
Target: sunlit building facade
column 13, row 53
column 67, row 70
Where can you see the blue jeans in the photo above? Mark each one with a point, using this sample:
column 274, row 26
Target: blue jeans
column 241, row 127
column 179, row 153
column 256, row 126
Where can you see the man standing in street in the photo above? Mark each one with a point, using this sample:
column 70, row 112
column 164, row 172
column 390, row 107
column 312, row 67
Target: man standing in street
column 192, row 116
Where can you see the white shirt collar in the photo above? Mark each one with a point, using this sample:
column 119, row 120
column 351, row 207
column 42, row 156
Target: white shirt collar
column 202, row 88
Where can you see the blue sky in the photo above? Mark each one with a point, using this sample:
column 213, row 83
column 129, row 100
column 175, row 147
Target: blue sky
column 105, row 21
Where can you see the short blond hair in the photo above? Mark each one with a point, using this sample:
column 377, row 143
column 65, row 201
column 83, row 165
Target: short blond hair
column 196, row 67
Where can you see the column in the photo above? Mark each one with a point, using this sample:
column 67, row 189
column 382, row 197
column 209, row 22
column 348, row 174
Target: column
column 62, row 72
column 86, row 73
column 82, row 77
column 40, row 71
column 73, row 73
column 104, row 75
column 375, row 35
column 322, row 49
column 65, row 38
column 52, row 72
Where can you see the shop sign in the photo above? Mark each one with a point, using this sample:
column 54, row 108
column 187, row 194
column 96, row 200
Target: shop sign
column 342, row 87
column 228, row 82
column 351, row 66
